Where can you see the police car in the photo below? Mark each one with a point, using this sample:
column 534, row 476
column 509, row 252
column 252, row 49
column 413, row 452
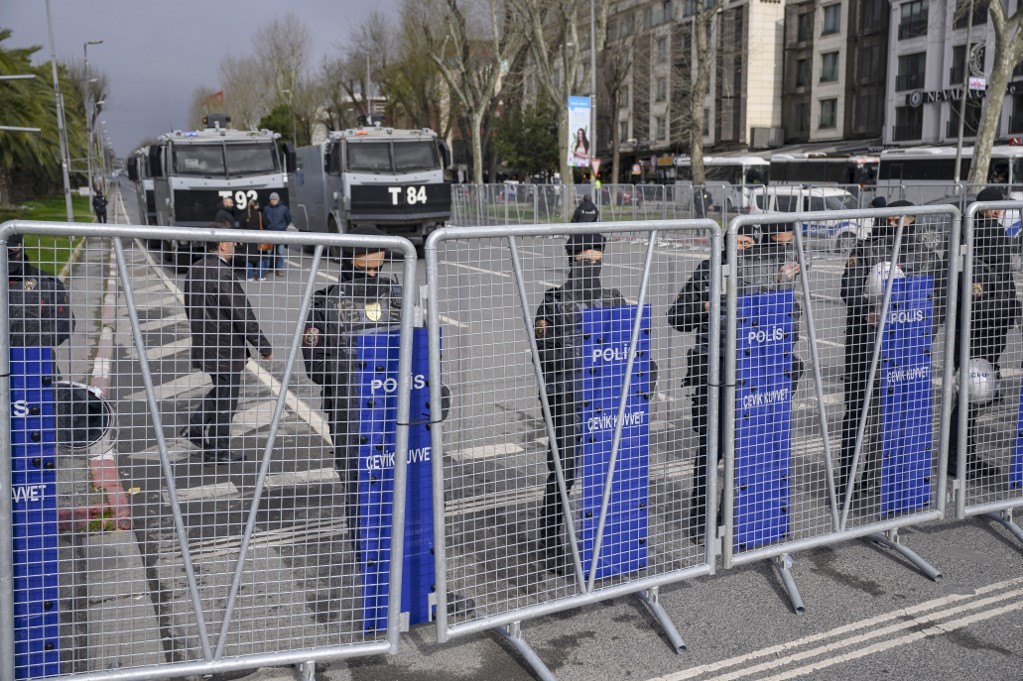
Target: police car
column 841, row 234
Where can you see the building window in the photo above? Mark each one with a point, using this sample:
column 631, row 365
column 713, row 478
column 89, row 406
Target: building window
column 868, row 64
column 958, row 70
column 623, row 97
column 909, row 123
column 913, row 19
column 832, row 19
column 1016, row 120
column 829, row 67
column 623, row 131
column 800, row 117
column 911, row 71
column 802, row 73
column 872, row 14
column 662, row 89
column 662, row 128
column 662, row 50
column 804, row 30
column 979, row 14
column 828, row 107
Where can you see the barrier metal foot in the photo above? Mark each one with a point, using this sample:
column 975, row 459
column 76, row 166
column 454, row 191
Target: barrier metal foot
column 1004, row 518
column 784, row 563
column 306, row 671
column 890, row 539
column 513, row 634
column 652, row 599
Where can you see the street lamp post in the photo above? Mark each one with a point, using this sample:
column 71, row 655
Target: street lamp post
column 593, row 90
column 88, row 111
column 61, row 134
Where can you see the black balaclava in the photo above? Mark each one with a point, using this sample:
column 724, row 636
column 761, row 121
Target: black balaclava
column 885, row 229
column 583, row 275
column 349, row 272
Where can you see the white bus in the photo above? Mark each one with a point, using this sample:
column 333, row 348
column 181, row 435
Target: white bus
column 729, row 179
column 923, row 174
column 815, row 168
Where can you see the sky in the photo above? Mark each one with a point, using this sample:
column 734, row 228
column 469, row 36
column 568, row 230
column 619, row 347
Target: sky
column 156, row 52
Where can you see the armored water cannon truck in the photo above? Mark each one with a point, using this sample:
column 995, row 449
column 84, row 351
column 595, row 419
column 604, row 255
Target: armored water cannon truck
column 192, row 171
column 390, row 178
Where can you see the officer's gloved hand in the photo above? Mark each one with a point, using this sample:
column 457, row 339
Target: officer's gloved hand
column 653, row 376
column 445, row 402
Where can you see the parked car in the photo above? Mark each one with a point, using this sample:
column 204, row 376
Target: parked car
column 840, row 234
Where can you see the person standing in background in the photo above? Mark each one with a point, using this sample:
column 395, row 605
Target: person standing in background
column 277, row 218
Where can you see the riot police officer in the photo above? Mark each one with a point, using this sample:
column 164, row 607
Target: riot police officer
column 862, row 318
column 586, row 211
column 40, row 309
column 555, row 329
column 994, row 310
column 363, row 300
column 761, row 267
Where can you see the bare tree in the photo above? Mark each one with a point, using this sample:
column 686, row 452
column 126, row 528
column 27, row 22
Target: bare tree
column 413, row 86
column 614, row 68
column 339, row 88
column 203, row 99
column 244, row 91
column 1008, row 34
column 282, row 51
column 699, row 58
column 556, row 46
column 472, row 57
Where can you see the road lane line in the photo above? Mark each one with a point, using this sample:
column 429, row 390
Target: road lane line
column 481, row 270
column 936, row 630
column 312, row 476
column 488, row 451
column 163, row 322
column 218, row 490
column 175, row 388
column 168, row 350
column 775, row 650
column 319, row 272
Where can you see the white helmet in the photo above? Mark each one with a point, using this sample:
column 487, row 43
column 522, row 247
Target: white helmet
column 983, row 381
column 873, row 287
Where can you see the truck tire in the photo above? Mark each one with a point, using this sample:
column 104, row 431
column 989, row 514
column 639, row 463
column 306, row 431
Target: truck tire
column 333, row 252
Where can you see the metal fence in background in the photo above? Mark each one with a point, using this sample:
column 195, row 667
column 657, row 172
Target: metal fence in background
column 563, row 474
column 153, row 538
column 838, row 390
column 987, row 424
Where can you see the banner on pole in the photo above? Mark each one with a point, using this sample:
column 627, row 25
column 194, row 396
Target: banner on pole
column 580, row 139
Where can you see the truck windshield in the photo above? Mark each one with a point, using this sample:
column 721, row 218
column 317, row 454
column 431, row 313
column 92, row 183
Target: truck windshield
column 199, row 159
column 371, row 156
column 251, row 159
column 410, row 156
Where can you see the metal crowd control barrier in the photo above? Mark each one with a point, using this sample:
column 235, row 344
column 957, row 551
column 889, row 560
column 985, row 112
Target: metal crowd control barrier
column 554, row 386
column 145, row 534
column 798, row 475
column 988, row 422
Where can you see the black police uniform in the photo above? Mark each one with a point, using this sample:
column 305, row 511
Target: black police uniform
column 758, row 269
column 555, row 328
column 39, row 307
column 915, row 259
column 338, row 314
column 99, row 204
column 221, row 323
column 994, row 311
column 586, row 211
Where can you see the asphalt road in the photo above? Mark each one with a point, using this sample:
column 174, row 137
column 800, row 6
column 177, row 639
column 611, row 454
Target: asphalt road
column 869, row 613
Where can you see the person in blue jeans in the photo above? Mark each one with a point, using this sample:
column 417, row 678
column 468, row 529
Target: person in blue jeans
column 277, row 217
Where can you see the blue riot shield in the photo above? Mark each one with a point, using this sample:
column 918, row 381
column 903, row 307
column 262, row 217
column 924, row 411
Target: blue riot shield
column 376, row 385
column 763, row 418
column 605, row 333
column 33, row 463
column 906, row 400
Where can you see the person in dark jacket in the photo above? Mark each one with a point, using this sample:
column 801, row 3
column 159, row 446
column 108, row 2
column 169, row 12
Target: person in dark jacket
column 256, row 261
column 586, row 211
column 39, row 307
column 862, row 317
column 99, row 205
column 761, row 268
column 994, row 311
column 557, row 341
column 222, row 325
column 361, row 301
column 227, row 214
column 276, row 218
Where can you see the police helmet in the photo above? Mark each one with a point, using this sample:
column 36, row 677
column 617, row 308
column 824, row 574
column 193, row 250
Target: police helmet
column 982, row 380
column 877, row 279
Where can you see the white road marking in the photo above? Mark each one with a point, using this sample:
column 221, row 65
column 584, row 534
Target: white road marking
column 168, row 350
column 163, row 322
column 308, row 477
column 836, row 633
column 319, row 272
column 488, row 451
column 145, row 304
column 176, row 388
column 453, row 322
column 256, row 416
column 308, row 532
column 481, row 270
column 218, row 490
column 173, row 454
column 829, row 344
